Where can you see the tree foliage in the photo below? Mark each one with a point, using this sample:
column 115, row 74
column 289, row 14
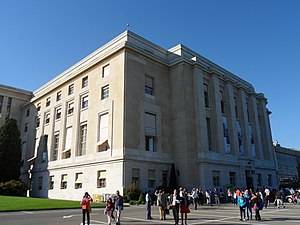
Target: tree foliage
column 10, row 151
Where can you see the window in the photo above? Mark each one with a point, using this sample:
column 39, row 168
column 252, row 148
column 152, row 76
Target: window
column 8, row 108
column 84, row 102
column 38, row 121
column 216, row 178
column 83, row 135
column 222, row 102
column 45, row 148
column 48, row 101
column 235, row 108
column 135, row 181
column 164, row 178
column 209, row 137
column 71, row 89
column 26, row 127
column 68, row 141
column 85, row 82
column 269, row 180
column 105, row 71
column 58, row 96
column 47, row 118
column 247, row 107
column 78, row 180
column 40, row 183
column 38, row 107
column 1, row 103
column 58, row 113
column 27, row 112
column 232, row 178
column 103, row 132
column 51, row 183
column 101, row 182
column 150, row 132
column 206, row 99
column 55, row 146
column 64, row 181
column 105, row 92
column 149, row 85
column 70, row 108
column 151, row 178
column 258, row 179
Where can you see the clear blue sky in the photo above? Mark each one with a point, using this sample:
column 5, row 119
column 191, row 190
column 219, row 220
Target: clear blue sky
column 254, row 39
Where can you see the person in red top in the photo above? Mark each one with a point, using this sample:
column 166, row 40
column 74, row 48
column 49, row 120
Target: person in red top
column 86, row 207
column 109, row 210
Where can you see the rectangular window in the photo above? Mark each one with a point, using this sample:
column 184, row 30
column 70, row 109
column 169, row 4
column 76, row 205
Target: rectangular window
column 235, row 108
column 105, row 71
column 209, row 137
column 26, row 127
column 58, row 113
column 101, row 181
column 84, row 102
column 38, row 121
column 232, row 178
column 64, row 181
column 78, row 180
column 149, row 85
column 68, row 140
column 58, row 96
column 47, row 118
column 45, row 149
column 40, row 183
column 222, row 102
column 206, row 97
column 85, row 82
column 135, row 181
column 51, row 183
column 103, row 132
column 48, row 101
column 83, row 136
column 151, row 178
column 150, row 132
column 55, row 146
column 38, row 107
column 70, row 108
column 216, row 178
column 27, row 112
column 258, row 179
column 269, row 180
column 105, row 92
column 1, row 103
column 71, row 89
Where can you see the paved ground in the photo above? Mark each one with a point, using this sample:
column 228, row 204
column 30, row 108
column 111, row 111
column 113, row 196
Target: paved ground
column 135, row 215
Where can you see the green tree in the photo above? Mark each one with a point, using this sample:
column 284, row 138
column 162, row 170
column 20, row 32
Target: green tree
column 10, row 151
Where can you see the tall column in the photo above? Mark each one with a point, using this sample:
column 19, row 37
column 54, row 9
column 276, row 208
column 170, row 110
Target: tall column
column 200, row 113
column 216, row 114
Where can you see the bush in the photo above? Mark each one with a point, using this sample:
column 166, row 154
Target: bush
column 13, row 188
column 132, row 194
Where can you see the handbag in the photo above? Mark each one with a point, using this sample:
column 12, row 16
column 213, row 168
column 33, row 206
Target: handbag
column 167, row 211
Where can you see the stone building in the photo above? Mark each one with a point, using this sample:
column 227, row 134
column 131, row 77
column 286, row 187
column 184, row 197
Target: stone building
column 124, row 114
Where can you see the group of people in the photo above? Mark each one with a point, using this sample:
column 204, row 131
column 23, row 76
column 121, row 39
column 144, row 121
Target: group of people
column 114, row 205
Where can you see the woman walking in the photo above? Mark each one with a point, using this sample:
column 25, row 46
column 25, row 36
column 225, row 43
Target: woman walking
column 257, row 202
column 184, row 207
column 109, row 210
column 86, row 207
column 242, row 205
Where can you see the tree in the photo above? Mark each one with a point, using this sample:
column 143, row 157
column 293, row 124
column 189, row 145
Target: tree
column 10, row 151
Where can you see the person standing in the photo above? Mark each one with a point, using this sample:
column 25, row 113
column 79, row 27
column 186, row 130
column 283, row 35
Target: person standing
column 242, row 205
column 247, row 197
column 118, row 203
column 162, row 203
column 109, row 210
column 148, row 206
column 174, row 198
column 184, row 207
column 86, row 207
column 257, row 205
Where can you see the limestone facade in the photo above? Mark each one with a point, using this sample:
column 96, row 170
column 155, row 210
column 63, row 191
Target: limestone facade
column 125, row 113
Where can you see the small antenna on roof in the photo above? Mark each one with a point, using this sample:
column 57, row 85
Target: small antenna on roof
column 127, row 26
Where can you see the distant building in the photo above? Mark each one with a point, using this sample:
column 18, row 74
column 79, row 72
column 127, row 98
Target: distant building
column 124, row 114
column 288, row 165
column 11, row 100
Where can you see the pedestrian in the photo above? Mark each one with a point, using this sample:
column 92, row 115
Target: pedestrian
column 161, row 203
column 148, row 206
column 174, row 199
column 257, row 205
column 184, row 206
column 195, row 197
column 217, row 196
column 279, row 199
column 242, row 205
column 86, row 207
column 247, row 197
column 229, row 195
column 109, row 210
column 118, row 203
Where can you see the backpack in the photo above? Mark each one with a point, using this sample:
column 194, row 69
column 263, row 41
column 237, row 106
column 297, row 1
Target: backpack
column 260, row 205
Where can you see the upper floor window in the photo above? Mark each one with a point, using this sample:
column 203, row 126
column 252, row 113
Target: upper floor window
column 84, row 102
column 28, row 112
column 58, row 96
column 70, row 108
column 71, row 89
column 83, row 138
column 206, row 97
column 48, row 101
column 38, row 121
column 105, row 71
column 103, row 132
column 150, row 132
column 38, row 107
column 105, row 92
column 85, row 82
column 47, row 118
column 26, row 127
column 222, row 102
column 55, row 146
column 149, row 85
column 1, row 102
column 58, row 113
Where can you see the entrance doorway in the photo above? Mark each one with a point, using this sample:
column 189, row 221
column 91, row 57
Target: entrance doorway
column 249, row 179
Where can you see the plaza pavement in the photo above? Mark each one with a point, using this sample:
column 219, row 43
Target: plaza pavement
column 135, row 215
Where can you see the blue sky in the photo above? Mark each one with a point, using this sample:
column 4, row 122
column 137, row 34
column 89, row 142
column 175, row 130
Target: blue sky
column 258, row 40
